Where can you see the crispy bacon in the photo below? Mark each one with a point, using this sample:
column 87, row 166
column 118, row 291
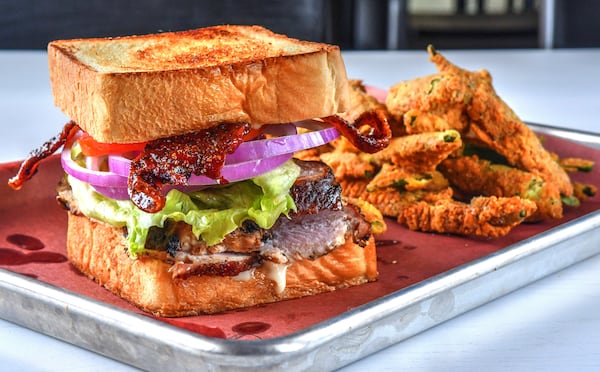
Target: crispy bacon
column 30, row 165
column 171, row 161
column 379, row 135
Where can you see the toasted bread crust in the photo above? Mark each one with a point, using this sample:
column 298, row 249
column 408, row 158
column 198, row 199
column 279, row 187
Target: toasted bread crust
column 140, row 88
column 98, row 250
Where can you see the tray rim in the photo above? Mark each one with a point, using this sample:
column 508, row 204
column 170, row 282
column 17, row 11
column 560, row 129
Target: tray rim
column 289, row 348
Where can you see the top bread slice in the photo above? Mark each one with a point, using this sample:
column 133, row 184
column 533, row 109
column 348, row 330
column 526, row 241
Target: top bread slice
column 140, row 88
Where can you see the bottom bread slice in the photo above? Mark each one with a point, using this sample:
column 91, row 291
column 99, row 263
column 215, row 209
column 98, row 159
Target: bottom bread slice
column 98, row 250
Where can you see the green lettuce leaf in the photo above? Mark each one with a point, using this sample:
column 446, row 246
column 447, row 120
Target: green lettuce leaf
column 212, row 212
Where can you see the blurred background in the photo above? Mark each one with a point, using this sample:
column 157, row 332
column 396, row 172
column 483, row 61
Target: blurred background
column 352, row 24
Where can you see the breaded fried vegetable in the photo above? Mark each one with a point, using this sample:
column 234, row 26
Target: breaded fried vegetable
column 313, row 154
column 495, row 124
column 436, row 94
column 583, row 191
column 371, row 214
column 392, row 175
column 489, row 217
column 490, row 120
column 477, row 176
column 416, row 121
column 348, row 164
column 391, row 201
column 420, row 152
column 513, row 140
column 571, row 201
column 354, row 187
column 576, row 164
column 408, row 95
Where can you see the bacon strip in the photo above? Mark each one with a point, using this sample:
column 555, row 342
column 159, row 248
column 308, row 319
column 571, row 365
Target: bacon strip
column 171, row 161
column 378, row 137
column 30, row 165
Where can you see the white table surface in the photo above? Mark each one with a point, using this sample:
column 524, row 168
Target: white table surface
column 550, row 325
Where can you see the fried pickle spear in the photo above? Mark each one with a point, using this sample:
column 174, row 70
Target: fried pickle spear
column 576, row 164
column 495, row 124
column 420, row 152
column 489, row 217
column 468, row 102
column 437, row 211
column 391, row 175
column 476, row 176
column 583, row 191
column 371, row 214
column 416, row 121
column 391, row 201
column 348, row 164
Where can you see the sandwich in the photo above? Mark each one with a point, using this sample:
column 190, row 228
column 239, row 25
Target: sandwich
column 182, row 191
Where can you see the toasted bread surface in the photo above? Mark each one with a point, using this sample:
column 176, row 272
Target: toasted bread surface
column 98, row 250
column 139, row 88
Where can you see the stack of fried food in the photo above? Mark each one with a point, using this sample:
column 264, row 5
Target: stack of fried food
column 460, row 160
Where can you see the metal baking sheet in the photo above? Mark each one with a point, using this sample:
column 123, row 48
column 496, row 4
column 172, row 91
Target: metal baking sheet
column 420, row 285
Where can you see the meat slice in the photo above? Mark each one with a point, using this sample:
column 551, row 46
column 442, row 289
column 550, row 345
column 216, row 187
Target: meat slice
column 313, row 235
column 315, row 189
column 219, row 264
column 177, row 237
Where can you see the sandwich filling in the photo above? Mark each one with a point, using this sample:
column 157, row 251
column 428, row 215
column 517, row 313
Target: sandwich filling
column 315, row 222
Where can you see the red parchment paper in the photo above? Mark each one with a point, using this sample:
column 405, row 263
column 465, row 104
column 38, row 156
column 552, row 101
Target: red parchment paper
column 33, row 232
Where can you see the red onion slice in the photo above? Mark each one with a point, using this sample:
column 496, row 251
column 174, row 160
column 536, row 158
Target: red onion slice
column 119, row 165
column 118, row 193
column 242, row 171
column 267, row 148
column 94, row 162
column 93, row 177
